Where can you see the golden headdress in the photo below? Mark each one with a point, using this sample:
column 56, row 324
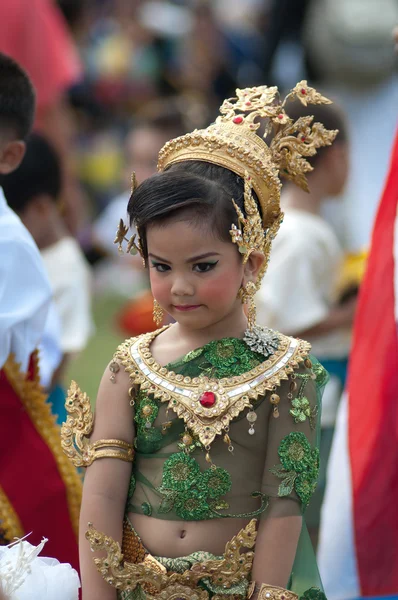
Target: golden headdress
column 233, row 142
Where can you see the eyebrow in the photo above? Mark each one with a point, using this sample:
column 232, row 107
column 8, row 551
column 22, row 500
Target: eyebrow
column 190, row 260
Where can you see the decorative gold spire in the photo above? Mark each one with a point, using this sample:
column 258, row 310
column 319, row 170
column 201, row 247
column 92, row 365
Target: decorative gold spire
column 232, row 142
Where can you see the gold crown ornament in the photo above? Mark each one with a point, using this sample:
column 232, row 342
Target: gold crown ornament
column 233, row 142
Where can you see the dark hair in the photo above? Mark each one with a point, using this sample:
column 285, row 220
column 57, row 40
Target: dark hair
column 194, row 191
column 38, row 173
column 17, row 98
column 330, row 115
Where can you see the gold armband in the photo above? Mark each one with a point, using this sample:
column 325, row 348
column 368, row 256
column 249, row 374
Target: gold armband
column 270, row 592
column 77, row 429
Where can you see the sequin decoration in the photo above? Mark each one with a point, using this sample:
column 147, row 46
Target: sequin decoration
column 229, row 357
column 189, row 491
column 313, row 593
column 299, row 467
column 262, row 340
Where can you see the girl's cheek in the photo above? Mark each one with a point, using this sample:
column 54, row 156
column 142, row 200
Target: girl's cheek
column 159, row 287
column 221, row 289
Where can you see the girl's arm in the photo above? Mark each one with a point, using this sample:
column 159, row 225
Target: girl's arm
column 290, row 475
column 106, row 481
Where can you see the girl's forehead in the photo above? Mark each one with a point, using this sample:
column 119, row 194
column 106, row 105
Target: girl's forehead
column 181, row 239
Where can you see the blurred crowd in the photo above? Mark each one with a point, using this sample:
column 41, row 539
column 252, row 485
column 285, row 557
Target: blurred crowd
column 116, row 79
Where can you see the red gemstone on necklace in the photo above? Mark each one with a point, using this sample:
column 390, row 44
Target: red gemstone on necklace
column 237, row 120
column 207, row 399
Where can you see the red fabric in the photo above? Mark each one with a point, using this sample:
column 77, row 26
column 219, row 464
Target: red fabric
column 34, row 33
column 30, row 478
column 373, row 408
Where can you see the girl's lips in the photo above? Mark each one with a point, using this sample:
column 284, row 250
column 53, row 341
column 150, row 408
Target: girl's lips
column 185, row 307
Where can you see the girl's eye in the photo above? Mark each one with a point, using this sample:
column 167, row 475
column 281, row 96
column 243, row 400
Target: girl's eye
column 160, row 267
column 204, row 267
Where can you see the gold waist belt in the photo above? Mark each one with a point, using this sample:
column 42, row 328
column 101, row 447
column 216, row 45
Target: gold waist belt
column 221, row 578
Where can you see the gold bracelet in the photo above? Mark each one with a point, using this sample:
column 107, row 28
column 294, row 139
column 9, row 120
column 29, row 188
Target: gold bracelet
column 107, row 449
column 270, row 592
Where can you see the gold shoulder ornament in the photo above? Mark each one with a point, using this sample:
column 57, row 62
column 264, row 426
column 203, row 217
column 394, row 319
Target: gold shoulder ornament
column 75, row 433
column 208, row 405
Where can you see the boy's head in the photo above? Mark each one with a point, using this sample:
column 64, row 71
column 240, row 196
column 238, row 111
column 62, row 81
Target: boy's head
column 331, row 163
column 33, row 189
column 17, row 108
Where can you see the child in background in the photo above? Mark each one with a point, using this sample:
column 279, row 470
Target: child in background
column 300, row 294
column 32, row 192
column 206, row 430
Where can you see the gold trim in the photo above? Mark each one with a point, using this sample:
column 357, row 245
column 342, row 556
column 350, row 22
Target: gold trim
column 228, row 571
column 272, row 592
column 232, row 395
column 9, row 520
column 77, row 429
column 35, row 403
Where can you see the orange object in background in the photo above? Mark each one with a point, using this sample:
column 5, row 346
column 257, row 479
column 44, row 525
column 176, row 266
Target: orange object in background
column 135, row 317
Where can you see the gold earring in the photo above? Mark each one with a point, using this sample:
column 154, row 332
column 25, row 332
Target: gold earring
column 247, row 296
column 157, row 313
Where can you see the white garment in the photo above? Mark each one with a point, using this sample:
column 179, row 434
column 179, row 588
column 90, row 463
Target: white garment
column 70, row 279
column 26, row 576
column 25, row 292
column 298, row 288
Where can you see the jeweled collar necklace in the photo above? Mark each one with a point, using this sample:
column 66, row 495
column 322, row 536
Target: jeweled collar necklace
column 207, row 405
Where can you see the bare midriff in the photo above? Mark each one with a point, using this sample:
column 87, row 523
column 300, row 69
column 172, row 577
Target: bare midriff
column 173, row 539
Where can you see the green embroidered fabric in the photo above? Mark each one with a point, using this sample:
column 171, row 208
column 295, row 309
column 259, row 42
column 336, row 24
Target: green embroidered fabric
column 174, row 481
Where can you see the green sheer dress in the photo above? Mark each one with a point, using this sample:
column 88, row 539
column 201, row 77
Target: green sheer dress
column 265, row 467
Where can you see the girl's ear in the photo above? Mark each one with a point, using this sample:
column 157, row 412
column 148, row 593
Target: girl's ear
column 253, row 266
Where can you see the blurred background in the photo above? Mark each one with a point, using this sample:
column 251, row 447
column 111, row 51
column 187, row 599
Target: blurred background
column 116, row 79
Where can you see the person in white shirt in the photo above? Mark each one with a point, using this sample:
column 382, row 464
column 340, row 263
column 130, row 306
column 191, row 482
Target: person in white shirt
column 299, row 294
column 35, row 481
column 32, row 191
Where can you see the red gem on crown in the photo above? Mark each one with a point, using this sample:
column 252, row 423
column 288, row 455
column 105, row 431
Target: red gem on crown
column 207, row 399
column 237, row 120
column 303, row 91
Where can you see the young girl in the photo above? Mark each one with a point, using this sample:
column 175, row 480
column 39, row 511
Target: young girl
column 223, row 414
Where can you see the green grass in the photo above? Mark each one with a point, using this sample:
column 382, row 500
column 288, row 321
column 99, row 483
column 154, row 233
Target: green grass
column 88, row 367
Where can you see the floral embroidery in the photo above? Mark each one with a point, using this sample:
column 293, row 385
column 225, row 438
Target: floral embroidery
column 321, row 374
column 216, row 482
column 313, row 593
column 180, row 472
column 192, row 355
column 302, row 411
column 229, row 357
column 190, row 492
column 192, row 505
column 299, row 467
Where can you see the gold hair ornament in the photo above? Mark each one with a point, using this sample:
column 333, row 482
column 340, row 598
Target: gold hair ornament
column 132, row 246
column 77, row 429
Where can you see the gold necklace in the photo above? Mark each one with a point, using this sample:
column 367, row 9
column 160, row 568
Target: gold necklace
column 207, row 405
